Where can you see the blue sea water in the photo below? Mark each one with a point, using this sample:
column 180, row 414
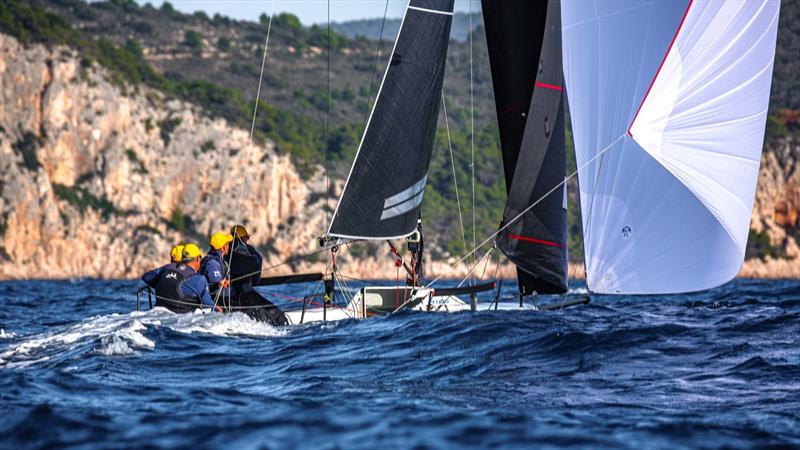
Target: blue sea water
column 718, row 369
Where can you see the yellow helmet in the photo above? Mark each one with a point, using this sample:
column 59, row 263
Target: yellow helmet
column 190, row 252
column 240, row 231
column 176, row 254
column 218, row 240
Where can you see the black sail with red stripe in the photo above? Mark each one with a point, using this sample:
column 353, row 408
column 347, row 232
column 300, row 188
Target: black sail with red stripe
column 524, row 40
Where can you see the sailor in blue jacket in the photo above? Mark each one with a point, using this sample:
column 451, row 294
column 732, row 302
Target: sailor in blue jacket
column 178, row 286
column 213, row 266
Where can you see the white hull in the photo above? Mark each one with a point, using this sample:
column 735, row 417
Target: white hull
column 375, row 301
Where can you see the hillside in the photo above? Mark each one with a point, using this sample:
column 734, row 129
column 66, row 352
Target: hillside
column 176, row 62
column 371, row 28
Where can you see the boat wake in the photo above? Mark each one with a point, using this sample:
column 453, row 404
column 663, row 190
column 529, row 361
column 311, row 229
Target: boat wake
column 122, row 335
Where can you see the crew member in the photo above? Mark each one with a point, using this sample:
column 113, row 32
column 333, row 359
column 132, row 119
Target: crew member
column 245, row 274
column 246, row 261
column 178, row 286
column 214, row 266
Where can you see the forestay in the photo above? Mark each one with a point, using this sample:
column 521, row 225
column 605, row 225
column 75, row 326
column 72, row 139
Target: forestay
column 383, row 192
column 681, row 90
column 524, row 40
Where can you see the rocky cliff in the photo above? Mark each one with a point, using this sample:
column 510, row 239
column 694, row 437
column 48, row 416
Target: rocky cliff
column 776, row 213
column 99, row 179
column 101, row 182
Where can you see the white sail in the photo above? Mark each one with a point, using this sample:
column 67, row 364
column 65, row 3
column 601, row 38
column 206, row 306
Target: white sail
column 668, row 102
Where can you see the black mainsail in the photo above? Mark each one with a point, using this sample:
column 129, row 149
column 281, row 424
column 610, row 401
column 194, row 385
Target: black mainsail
column 524, row 40
column 383, row 192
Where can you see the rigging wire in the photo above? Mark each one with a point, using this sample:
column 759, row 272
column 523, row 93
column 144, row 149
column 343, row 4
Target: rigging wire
column 255, row 111
column 375, row 68
column 532, row 205
column 472, row 125
column 328, row 120
column 455, row 178
column 250, row 138
column 589, row 216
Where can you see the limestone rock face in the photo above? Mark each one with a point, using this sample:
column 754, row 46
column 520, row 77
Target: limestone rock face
column 99, row 180
column 777, row 210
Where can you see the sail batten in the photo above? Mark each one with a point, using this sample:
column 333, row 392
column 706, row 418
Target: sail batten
column 383, row 193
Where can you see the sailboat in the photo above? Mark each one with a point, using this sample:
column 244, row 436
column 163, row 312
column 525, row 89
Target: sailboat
column 382, row 196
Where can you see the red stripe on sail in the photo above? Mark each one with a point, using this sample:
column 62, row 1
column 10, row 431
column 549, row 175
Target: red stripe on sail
column 685, row 14
column 534, row 240
column 549, row 86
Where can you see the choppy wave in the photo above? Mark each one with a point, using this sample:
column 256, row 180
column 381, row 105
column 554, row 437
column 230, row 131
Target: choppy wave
column 715, row 369
column 123, row 334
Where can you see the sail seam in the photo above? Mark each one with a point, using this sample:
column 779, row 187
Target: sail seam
column 660, row 66
column 434, row 11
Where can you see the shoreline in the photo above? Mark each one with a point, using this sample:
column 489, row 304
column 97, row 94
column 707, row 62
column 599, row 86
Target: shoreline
column 770, row 269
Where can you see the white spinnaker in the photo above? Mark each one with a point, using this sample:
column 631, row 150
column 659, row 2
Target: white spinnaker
column 667, row 209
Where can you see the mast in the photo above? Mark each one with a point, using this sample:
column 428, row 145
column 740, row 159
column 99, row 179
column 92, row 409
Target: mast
column 524, row 39
column 383, row 192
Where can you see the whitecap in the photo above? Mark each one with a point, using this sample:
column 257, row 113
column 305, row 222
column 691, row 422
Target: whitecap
column 235, row 324
column 125, row 341
column 123, row 334
column 7, row 335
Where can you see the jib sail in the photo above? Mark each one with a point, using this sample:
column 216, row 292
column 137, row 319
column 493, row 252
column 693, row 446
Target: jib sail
column 383, row 192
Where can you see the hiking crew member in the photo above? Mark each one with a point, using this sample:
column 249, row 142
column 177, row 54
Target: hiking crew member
column 214, row 266
column 245, row 273
column 178, row 286
column 246, row 261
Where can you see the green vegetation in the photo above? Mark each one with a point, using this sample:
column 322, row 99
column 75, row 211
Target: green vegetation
column 201, row 15
column 26, row 146
column 147, row 229
column 208, row 146
column 32, row 24
column 759, row 246
column 223, row 44
column 192, row 40
column 82, row 199
column 167, row 8
column 133, row 158
column 167, row 126
column 181, row 222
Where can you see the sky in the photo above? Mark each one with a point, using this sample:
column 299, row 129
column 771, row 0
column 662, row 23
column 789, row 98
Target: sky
column 309, row 11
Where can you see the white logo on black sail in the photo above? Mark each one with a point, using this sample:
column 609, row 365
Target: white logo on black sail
column 405, row 200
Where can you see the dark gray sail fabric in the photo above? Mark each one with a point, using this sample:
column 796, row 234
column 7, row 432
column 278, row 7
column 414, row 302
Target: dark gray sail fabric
column 524, row 41
column 383, row 193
